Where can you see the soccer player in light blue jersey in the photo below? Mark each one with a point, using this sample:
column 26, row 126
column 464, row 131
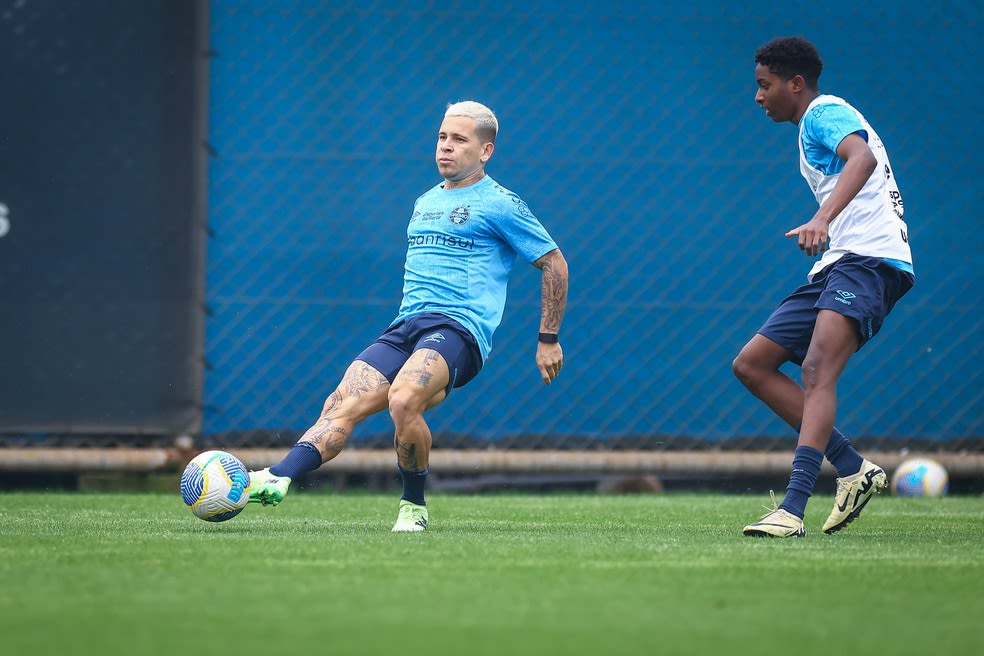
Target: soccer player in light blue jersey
column 462, row 240
column 865, row 267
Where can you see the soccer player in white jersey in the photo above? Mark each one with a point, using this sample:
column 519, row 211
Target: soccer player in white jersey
column 462, row 239
column 864, row 269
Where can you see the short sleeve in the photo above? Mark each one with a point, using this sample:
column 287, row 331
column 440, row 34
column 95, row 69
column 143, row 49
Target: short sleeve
column 824, row 128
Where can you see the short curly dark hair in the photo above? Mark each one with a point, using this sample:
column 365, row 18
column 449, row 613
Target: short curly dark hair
column 789, row 56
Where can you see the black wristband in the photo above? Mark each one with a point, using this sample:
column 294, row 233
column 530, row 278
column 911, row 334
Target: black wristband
column 548, row 338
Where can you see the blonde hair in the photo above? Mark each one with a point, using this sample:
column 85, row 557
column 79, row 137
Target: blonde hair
column 488, row 124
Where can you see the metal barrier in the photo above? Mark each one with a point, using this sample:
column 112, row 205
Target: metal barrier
column 466, row 461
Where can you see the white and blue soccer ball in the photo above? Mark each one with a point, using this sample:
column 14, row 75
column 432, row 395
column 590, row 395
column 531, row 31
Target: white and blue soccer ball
column 215, row 486
column 920, row 477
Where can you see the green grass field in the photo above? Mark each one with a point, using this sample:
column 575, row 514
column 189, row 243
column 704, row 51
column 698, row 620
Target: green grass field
column 496, row 574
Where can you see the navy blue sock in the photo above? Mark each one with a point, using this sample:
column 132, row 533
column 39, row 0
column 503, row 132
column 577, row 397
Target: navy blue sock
column 842, row 455
column 806, row 468
column 302, row 458
column 413, row 485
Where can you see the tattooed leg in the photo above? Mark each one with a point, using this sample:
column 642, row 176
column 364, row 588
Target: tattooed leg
column 406, row 455
column 419, row 385
column 361, row 393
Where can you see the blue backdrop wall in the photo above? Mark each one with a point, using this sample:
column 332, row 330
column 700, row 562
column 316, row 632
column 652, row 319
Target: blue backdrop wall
column 631, row 131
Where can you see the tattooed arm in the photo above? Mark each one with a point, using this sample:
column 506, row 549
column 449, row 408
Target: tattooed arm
column 553, row 302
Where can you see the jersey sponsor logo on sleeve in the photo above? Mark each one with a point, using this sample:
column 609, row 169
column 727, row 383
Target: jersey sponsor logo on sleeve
column 521, row 205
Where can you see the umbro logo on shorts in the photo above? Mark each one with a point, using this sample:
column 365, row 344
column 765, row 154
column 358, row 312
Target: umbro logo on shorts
column 845, row 297
column 434, row 337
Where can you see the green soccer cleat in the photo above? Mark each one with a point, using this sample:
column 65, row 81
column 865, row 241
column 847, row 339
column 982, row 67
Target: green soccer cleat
column 412, row 518
column 777, row 523
column 266, row 488
column 853, row 494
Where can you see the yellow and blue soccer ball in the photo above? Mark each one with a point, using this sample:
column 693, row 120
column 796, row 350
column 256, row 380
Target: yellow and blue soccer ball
column 920, row 477
column 215, row 486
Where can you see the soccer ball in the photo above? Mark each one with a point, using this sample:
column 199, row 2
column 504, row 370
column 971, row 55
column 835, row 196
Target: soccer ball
column 920, row 477
column 215, row 486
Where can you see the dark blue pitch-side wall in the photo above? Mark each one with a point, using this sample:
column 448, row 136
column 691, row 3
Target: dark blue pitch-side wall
column 101, row 175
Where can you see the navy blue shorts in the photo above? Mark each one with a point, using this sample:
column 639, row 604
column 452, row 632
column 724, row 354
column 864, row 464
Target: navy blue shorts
column 859, row 287
column 430, row 330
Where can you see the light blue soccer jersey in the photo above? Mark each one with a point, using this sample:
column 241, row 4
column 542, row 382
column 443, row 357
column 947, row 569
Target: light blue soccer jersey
column 461, row 245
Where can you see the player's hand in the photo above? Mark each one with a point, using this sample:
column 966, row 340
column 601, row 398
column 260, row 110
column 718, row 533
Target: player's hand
column 811, row 237
column 549, row 360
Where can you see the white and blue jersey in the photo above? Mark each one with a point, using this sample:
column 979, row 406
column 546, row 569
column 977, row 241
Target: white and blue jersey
column 872, row 223
column 461, row 245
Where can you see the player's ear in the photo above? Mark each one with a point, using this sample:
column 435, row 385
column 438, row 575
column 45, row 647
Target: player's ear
column 797, row 83
column 487, row 151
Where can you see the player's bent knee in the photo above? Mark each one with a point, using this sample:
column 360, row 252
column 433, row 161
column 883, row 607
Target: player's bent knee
column 405, row 404
column 817, row 372
column 743, row 369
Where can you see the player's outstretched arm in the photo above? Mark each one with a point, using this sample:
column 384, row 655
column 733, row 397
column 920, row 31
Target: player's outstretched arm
column 553, row 302
column 859, row 164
